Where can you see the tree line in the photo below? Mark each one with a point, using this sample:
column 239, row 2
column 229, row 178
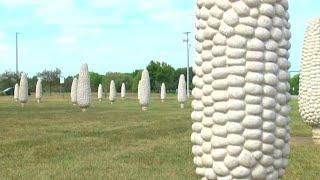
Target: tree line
column 159, row 72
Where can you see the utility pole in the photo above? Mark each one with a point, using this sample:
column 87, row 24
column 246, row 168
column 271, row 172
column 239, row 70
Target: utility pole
column 188, row 59
column 17, row 67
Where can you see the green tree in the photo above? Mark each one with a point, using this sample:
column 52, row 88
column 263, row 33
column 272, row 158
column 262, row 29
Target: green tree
column 160, row 72
column 294, row 84
column 128, row 80
column 95, row 80
column 118, row 78
column 166, row 75
column 50, row 78
column 32, row 82
column 68, row 83
column 9, row 79
column 153, row 68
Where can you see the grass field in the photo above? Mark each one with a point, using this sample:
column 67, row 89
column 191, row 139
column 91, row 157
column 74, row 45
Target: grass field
column 54, row 140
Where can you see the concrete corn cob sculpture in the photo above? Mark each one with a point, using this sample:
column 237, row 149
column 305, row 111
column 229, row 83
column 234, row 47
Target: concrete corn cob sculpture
column 123, row 91
column 145, row 90
column 241, row 111
column 182, row 91
column 163, row 92
column 309, row 91
column 112, row 92
column 100, row 92
column 83, row 88
column 39, row 90
column 73, row 94
column 23, row 90
column 16, row 92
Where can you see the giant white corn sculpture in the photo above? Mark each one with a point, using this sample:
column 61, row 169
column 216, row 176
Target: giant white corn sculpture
column 39, row 90
column 112, row 92
column 309, row 91
column 163, row 92
column 241, row 111
column 23, row 90
column 182, row 91
column 84, row 89
column 144, row 90
column 16, row 92
column 73, row 94
column 100, row 92
column 123, row 91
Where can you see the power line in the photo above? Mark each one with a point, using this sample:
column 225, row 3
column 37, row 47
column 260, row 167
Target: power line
column 17, row 59
column 188, row 59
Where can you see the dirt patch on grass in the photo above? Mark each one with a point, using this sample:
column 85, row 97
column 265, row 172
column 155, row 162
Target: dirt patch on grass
column 301, row 140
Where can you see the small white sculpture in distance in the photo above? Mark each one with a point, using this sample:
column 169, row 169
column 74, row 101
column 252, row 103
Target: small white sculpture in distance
column 16, row 92
column 100, row 92
column 182, row 91
column 123, row 91
column 39, row 90
column 112, row 92
column 163, row 92
column 145, row 90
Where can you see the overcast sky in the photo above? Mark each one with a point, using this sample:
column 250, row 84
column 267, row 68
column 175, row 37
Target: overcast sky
column 110, row 35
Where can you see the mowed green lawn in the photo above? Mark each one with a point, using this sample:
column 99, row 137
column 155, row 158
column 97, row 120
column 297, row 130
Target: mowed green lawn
column 54, row 140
